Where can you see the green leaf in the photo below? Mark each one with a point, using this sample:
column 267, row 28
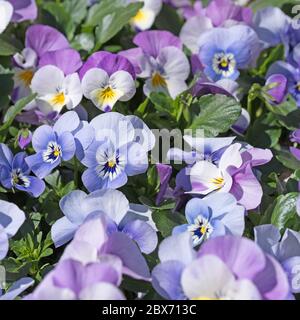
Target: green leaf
column 287, row 159
column 260, row 4
column 109, row 17
column 62, row 17
column 165, row 104
column 168, row 19
column 13, row 111
column 268, row 57
column 217, row 114
column 77, row 9
column 166, row 220
column 7, row 48
column 285, row 209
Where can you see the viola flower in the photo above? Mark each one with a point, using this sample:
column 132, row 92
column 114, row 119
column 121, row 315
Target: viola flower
column 6, row 13
column 91, row 243
column 16, row 289
column 231, row 267
column 52, row 145
column 213, row 216
column 285, row 249
column 291, row 72
column 54, row 90
column 232, row 174
column 119, row 150
column 224, row 51
column 166, row 276
column 24, row 10
column 106, row 79
column 15, row 173
column 160, row 60
column 145, row 17
column 24, row 138
column 43, row 45
column 295, row 138
column 83, row 132
column 11, row 219
column 93, row 281
column 113, row 206
column 276, row 88
column 272, row 26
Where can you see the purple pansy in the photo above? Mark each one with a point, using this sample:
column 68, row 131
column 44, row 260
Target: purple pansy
column 213, row 216
column 11, row 219
column 160, row 60
column 286, row 249
column 24, row 10
column 52, row 145
column 291, row 72
column 110, row 204
column 120, row 150
column 73, row 280
column 24, row 138
column 295, row 138
column 15, row 173
column 107, row 78
column 276, row 88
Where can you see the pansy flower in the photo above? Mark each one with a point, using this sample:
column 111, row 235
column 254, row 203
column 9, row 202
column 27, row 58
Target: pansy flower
column 52, row 145
column 24, row 10
column 15, row 173
column 285, row 248
column 224, row 51
column 73, row 280
column 54, row 90
column 145, row 17
column 119, row 150
column 11, row 219
column 44, row 45
column 215, row 215
column 113, row 206
column 6, row 13
column 106, row 79
column 233, row 173
column 291, row 72
column 160, row 61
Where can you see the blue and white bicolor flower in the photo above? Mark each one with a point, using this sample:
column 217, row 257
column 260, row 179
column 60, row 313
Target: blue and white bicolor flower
column 224, row 51
column 15, row 173
column 77, row 207
column 52, row 145
column 120, row 149
column 11, row 219
column 215, row 215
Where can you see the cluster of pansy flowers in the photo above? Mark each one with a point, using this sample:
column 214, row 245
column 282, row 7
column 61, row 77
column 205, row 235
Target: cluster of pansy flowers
column 106, row 237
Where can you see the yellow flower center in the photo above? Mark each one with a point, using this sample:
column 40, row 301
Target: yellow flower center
column 203, row 229
column 26, row 77
column 140, row 16
column 224, row 63
column 111, row 163
column 59, row 99
column 106, row 94
column 218, row 182
column 158, row 80
column 56, row 152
